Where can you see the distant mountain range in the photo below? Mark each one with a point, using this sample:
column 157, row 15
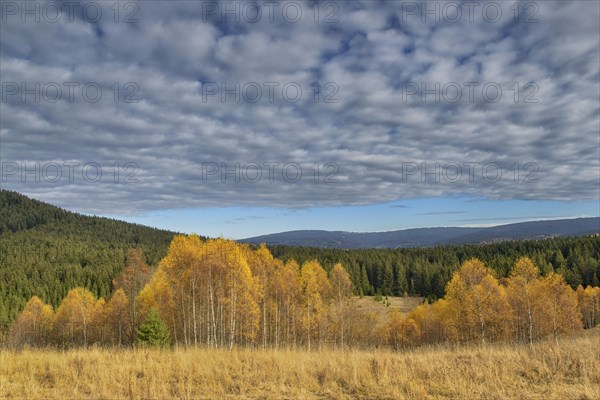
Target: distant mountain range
column 427, row 237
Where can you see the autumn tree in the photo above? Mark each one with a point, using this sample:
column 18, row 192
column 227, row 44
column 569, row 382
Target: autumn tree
column 341, row 290
column 359, row 328
column 182, row 266
column 522, row 299
column 132, row 279
column 241, row 289
column 74, row 316
column 116, row 318
column 560, row 313
column 480, row 307
column 99, row 327
column 400, row 332
column 315, row 289
column 588, row 300
column 33, row 326
column 262, row 265
column 214, row 291
column 286, row 294
column 158, row 294
column 437, row 322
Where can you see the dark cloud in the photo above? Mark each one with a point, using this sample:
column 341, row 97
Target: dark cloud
column 360, row 148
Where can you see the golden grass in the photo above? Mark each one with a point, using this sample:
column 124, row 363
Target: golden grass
column 381, row 310
column 570, row 370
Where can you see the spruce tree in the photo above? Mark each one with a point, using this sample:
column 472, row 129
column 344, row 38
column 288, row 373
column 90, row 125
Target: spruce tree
column 153, row 332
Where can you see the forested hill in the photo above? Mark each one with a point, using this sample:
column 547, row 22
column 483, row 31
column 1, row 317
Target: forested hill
column 45, row 250
column 19, row 213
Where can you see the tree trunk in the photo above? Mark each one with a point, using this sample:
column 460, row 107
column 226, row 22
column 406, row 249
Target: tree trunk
column 308, row 326
column 194, row 312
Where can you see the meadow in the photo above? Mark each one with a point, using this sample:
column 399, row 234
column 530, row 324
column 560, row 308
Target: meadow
column 569, row 369
column 219, row 320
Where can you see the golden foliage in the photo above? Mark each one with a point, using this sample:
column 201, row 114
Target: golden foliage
column 219, row 293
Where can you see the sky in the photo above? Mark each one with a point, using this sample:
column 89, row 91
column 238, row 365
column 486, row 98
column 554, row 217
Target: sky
column 238, row 119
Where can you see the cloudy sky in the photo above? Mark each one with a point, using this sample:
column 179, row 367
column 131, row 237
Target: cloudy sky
column 244, row 118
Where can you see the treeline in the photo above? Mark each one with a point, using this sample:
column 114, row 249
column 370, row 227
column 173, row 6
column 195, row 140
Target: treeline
column 216, row 293
column 46, row 251
column 219, row 293
column 426, row 271
column 480, row 308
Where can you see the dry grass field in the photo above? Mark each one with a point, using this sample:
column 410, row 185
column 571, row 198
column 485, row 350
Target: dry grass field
column 569, row 370
column 382, row 310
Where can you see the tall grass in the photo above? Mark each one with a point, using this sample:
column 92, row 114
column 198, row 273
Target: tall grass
column 569, row 370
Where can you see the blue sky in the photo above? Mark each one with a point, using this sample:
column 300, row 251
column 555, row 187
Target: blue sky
column 223, row 118
column 240, row 223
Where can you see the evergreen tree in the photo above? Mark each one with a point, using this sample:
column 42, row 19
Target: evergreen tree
column 153, row 332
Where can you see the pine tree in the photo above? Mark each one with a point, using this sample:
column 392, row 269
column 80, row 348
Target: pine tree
column 153, row 332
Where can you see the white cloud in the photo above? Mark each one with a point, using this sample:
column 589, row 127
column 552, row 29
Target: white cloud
column 370, row 56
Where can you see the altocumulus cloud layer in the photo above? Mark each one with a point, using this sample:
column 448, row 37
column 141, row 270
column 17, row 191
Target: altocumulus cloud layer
column 375, row 116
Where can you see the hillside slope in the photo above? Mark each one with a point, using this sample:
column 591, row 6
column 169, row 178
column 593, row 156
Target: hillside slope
column 45, row 250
